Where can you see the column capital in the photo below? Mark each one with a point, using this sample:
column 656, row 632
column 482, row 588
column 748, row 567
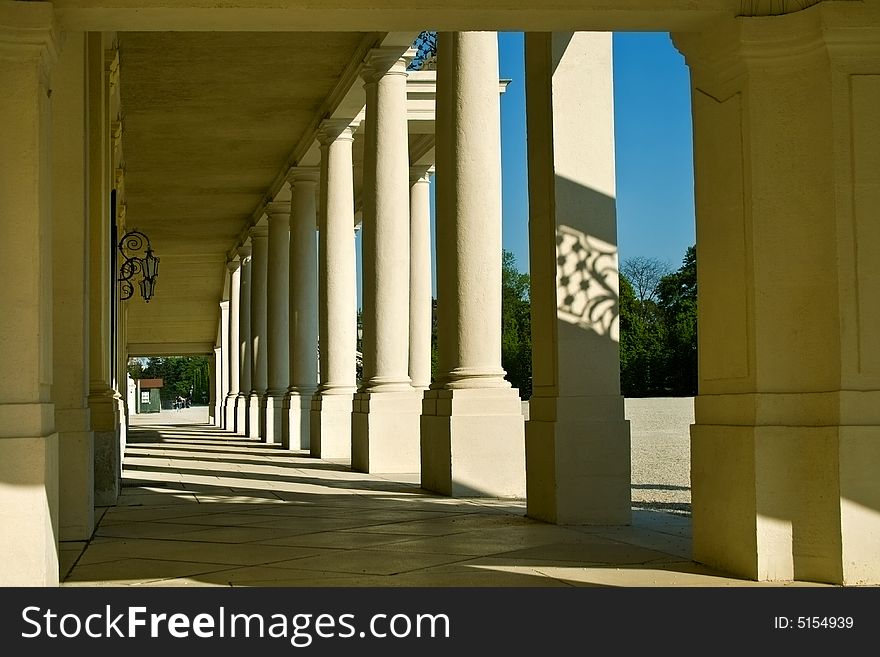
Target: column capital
column 258, row 232
column 276, row 208
column 299, row 175
column 380, row 62
column 420, row 173
column 244, row 250
column 233, row 265
column 332, row 130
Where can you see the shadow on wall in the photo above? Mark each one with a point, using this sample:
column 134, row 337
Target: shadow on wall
column 587, row 289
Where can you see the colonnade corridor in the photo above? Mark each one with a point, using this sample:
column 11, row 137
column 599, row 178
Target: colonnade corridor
column 203, row 507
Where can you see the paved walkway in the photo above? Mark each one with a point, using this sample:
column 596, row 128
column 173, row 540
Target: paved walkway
column 201, row 507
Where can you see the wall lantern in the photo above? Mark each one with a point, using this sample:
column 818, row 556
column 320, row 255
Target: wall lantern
column 135, row 241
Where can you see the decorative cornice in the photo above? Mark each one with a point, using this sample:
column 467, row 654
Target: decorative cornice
column 28, row 33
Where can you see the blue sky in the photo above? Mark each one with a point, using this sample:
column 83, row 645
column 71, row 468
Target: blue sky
column 655, row 204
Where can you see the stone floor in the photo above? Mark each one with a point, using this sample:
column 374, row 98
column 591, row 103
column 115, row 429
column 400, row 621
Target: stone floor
column 201, row 507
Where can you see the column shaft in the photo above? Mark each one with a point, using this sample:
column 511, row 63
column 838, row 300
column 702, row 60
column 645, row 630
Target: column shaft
column 231, row 356
column 577, row 438
column 420, row 307
column 784, row 448
column 331, row 406
column 277, row 318
column 103, row 401
column 258, row 335
column 242, row 406
column 472, row 425
column 303, row 305
column 71, row 290
column 28, row 442
column 385, row 423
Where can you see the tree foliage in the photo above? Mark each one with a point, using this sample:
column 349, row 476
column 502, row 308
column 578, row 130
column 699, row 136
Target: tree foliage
column 183, row 376
column 658, row 333
column 516, row 326
column 644, row 274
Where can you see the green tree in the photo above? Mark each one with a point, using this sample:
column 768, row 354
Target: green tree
column 516, row 325
column 183, row 376
column 677, row 295
column 641, row 344
column 658, row 333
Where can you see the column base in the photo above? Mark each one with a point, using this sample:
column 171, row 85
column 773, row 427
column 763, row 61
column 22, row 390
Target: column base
column 385, row 431
column 473, row 443
column 330, row 426
column 76, row 474
column 273, row 403
column 296, row 416
column 106, row 415
column 779, row 503
column 257, row 416
column 242, row 412
column 227, row 413
column 578, row 461
column 29, row 510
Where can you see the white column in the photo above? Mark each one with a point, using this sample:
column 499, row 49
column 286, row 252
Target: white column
column 104, row 403
column 472, row 428
column 245, row 363
column 231, row 356
column 259, row 352
column 28, row 442
column 277, row 322
column 303, row 306
column 420, row 300
column 577, row 438
column 331, row 405
column 785, row 447
column 222, row 371
column 71, row 292
column 385, row 420
column 214, row 373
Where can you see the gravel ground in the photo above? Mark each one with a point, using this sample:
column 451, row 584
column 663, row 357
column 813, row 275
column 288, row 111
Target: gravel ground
column 660, row 448
column 660, row 429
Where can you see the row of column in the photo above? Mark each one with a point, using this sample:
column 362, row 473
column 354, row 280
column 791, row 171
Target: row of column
column 392, row 422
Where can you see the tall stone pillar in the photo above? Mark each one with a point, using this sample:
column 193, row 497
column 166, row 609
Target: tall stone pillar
column 28, row 442
column 577, row 439
column 277, row 319
column 215, row 370
column 785, row 449
column 303, row 306
column 420, row 300
column 231, row 364
column 385, row 420
column 332, row 403
column 258, row 334
column 71, row 295
column 242, row 405
column 105, row 403
column 472, row 434
column 222, row 376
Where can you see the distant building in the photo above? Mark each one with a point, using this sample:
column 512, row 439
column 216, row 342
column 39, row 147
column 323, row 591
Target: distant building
column 148, row 400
